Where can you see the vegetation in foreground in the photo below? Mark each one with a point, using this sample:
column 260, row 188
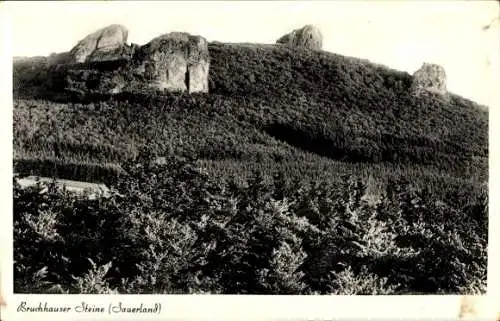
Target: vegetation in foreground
column 172, row 229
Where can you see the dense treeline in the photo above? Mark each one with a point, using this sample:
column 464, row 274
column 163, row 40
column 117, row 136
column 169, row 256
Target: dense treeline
column 186, row 233
column 217, row 127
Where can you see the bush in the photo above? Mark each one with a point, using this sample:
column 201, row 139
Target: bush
column 170, row 228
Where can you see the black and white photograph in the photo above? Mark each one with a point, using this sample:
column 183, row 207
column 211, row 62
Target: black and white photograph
column 244, row 147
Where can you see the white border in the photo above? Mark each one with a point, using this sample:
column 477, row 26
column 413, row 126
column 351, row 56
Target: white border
column 215, row 307
column 6, row 255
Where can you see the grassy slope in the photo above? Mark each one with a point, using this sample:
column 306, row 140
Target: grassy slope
column 309, row 113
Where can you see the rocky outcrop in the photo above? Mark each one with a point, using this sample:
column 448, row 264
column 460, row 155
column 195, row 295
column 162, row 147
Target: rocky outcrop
column 104, row 44
column 175, row 61
column 102, row 63
column 429, row 78
column 308, row 37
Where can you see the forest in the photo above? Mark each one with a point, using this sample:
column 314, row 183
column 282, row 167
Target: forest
column 300, row 172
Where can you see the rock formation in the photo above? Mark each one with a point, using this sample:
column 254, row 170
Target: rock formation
column 104, row 44
column 308, row 37
column 102, row 63
column 175, row 61
column 430, row 77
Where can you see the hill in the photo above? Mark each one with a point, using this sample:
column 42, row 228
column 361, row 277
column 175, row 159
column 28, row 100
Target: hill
column 268, row 104
column 284, row 124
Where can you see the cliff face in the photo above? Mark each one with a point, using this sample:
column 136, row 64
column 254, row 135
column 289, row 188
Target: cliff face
column 175, row 62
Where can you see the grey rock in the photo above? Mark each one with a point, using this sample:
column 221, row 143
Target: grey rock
column 176, row 61
column 308, row 37
column 104, row 44
column 429, row 78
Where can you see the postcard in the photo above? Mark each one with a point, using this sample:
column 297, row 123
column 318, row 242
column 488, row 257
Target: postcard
column 222, row 160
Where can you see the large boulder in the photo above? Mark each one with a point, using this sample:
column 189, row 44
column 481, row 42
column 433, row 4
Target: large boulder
column 176, row 61
column 308, row 37
column 429, row 78
column 104, row 44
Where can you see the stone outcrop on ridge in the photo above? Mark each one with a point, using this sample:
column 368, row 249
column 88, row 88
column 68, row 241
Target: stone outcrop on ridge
column 308, row 37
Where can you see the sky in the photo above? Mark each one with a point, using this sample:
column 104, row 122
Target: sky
column 398, row 34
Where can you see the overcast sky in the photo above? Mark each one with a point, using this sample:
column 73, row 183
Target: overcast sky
column 399, row 34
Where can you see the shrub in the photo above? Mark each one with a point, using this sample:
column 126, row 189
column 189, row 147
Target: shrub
column 171, row 228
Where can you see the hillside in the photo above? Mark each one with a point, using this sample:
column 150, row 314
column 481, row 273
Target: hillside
column 266, row 103
column 300, row 172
